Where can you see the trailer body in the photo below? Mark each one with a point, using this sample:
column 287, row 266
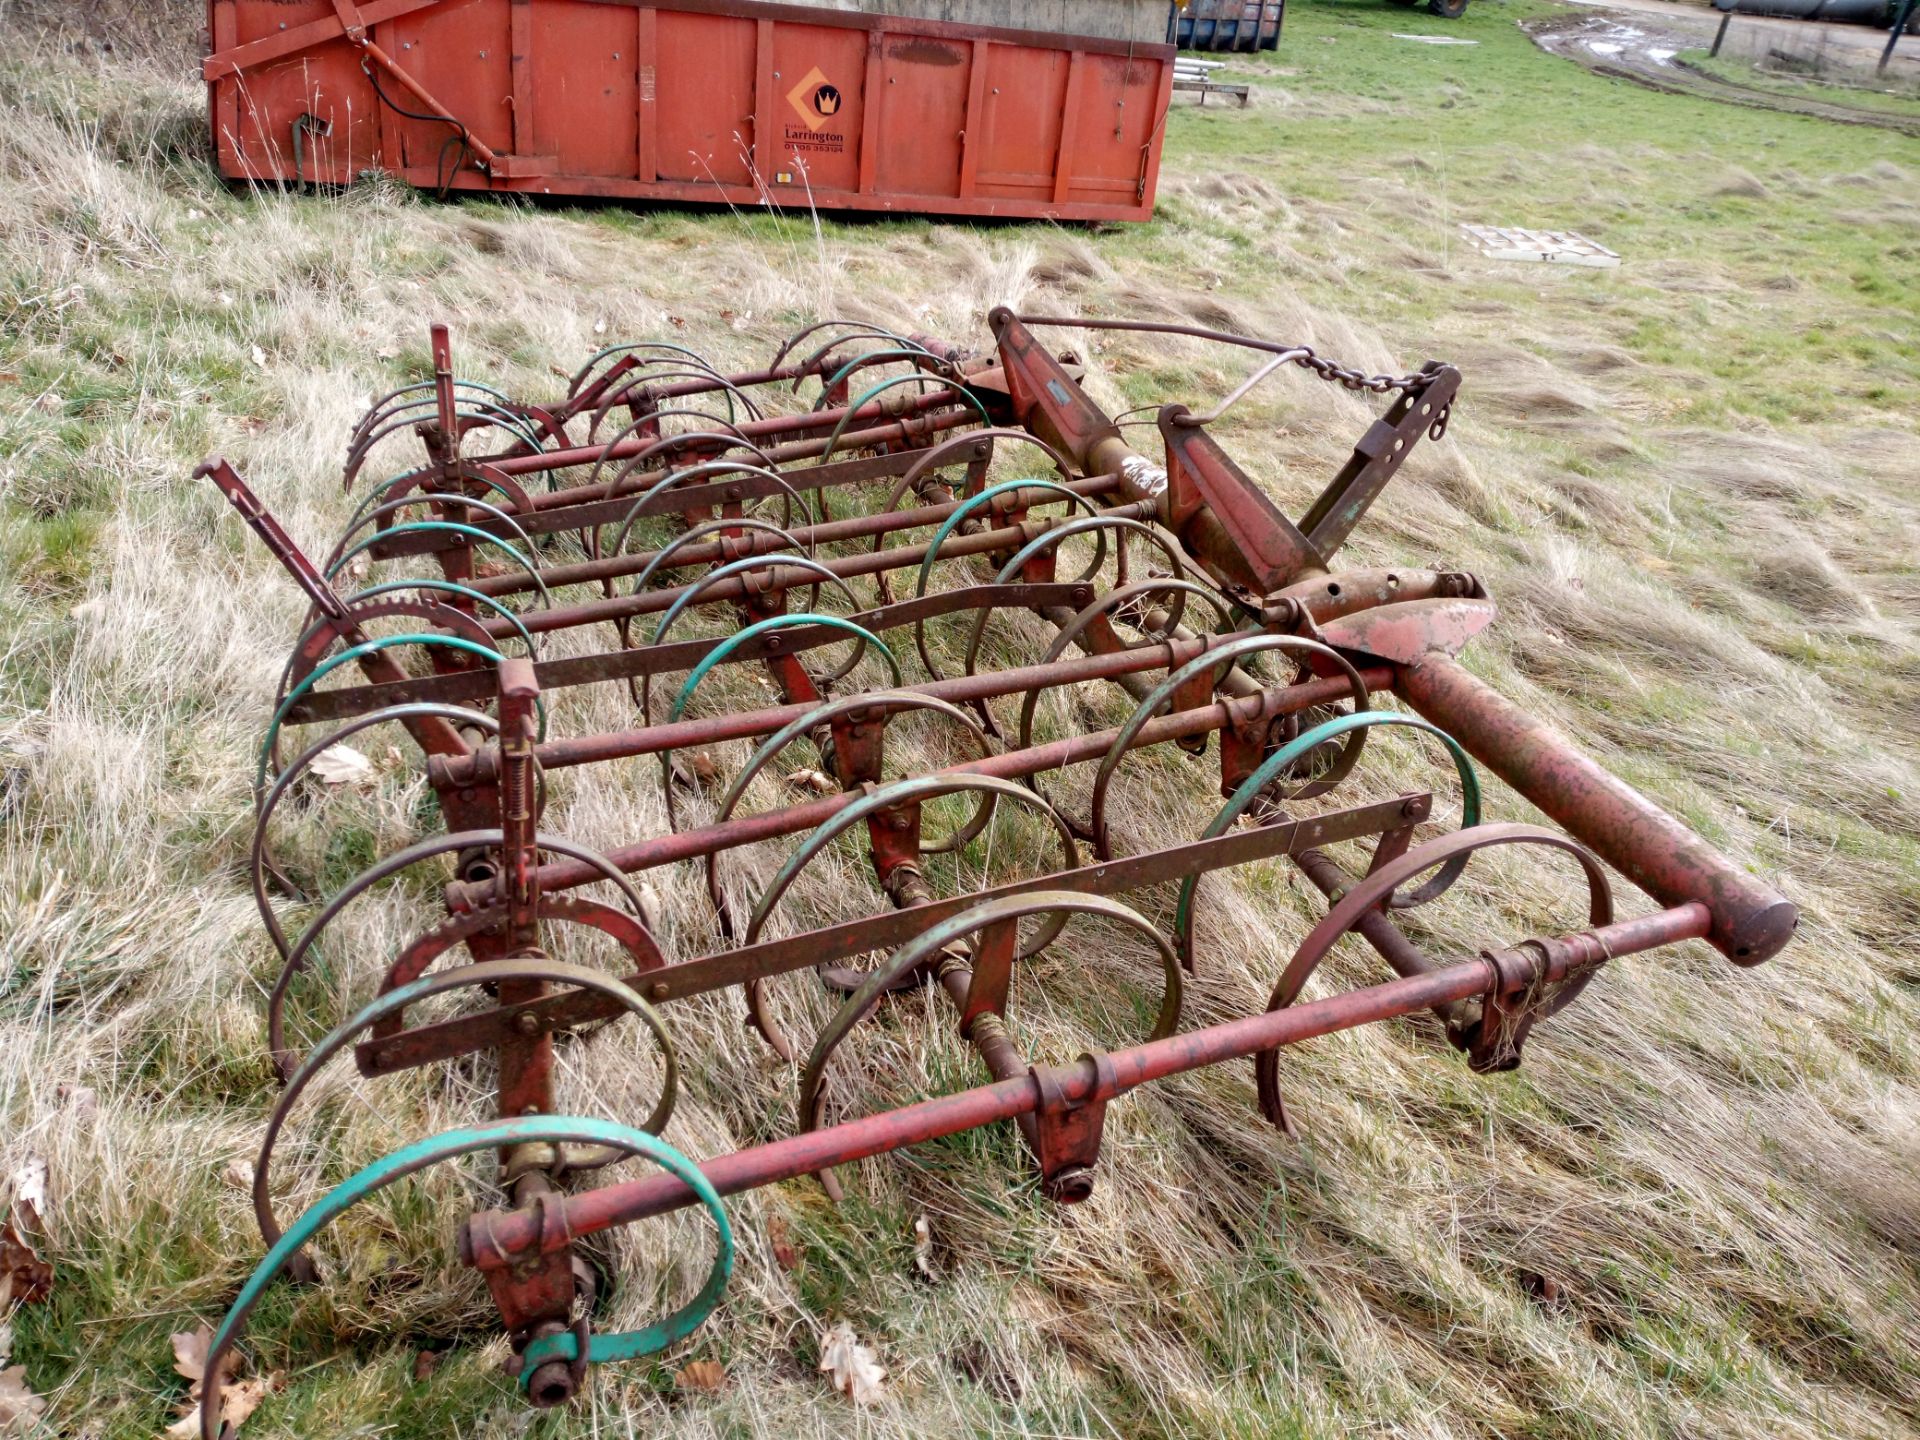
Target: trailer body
column 689, row 101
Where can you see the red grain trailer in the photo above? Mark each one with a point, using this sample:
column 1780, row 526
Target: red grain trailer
column 691, row 100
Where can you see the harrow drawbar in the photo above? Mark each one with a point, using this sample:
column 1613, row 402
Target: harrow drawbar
column 674, row 536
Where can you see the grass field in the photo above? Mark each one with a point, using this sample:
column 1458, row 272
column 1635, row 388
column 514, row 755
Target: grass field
column 1692, row 482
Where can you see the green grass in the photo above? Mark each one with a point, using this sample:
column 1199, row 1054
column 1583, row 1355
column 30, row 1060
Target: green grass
column 1691, row 482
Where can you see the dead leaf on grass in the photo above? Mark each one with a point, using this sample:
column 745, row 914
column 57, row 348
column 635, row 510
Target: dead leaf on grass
column 923, row 1247
column 342, row 765
column 700, row 1377
column 855, row 1372
column 24, row 1275
column 20, row 1408
column 780, row 1238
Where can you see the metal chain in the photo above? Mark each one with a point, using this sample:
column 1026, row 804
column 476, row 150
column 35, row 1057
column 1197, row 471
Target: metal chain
column 1337, row 374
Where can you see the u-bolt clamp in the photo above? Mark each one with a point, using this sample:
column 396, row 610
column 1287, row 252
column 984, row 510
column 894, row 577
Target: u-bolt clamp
column 1067, row 1132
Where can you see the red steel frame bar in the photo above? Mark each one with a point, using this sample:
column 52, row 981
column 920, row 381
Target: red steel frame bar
column 496, row 1239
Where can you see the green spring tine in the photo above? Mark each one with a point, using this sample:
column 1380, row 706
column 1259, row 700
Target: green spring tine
column 548, row 1129
column 778, row 622
column 419, row 527
column 398, row 1000
column 373, row 495
column 841, row 429
column 448, row 587
column 692, row 593
column 1303, row 745
column 968, row 506
column 920, row 787
column 931, row 941
column 867, row 357
column 631, row 348
column 429, row 497
column 703, row 531
column 346, row 657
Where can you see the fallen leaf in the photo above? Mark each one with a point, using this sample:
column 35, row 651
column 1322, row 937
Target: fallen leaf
column 80, row 1099
column 20, row 1408
column 700, row 1377
column 599, row 327
column 190, row 1355
column 781, row 1239
column 676, row 322
column 851, row 1364
column 24, row 1276
column 9, row 377
column 238, row 1175
column 344, row 765
column 259, row 357
column 705, row 773
column 817, row 781
column 50, row 404
column 425, row 1363
column 923, row 1247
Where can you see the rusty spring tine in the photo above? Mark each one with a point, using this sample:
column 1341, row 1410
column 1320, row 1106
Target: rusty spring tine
column 470, row 473
column 451, row 527
column 585, row 372
column 719, row 653
column 907, row 347
column 264, row 806
column 652, row 418
column 1220, row 657
column 720, row 383
column 512, row 424
column 958, row 389
column 691, row 594
column 449, row 587
column 869, row 358
column 304, row 658
column 392, row 865
column 386, row 405
column 881, row 701
column 902, row 792
column 1113, row 600
column 713, row 527
column 638, row 462
column 924, row 947
column 986, row 497
column 464, row 977
column 695, row 472
column 934, row 458
column 347, row 657
column 1298, row 749
column 394, row 507
column 937, row 458
column 1370, row 891
column 861, row 328
column 1052, row 539
column 886, row 700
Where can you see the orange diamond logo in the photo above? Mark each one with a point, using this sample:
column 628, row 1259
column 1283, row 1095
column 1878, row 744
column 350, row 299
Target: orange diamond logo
column 816, row 100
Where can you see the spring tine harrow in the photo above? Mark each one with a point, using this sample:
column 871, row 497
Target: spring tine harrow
column 899, row 585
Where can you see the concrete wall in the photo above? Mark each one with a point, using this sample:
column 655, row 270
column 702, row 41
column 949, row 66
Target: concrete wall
column 1143, row 21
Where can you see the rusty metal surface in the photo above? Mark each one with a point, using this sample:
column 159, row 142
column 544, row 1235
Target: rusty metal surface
column 826, row 528
column 739, row 103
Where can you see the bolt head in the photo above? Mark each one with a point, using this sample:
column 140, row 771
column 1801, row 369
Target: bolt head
column 527, row 1023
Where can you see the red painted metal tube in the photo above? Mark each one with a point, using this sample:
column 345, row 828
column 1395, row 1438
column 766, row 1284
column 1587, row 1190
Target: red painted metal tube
column 822, row 420
column 753, row 542
column 900, row 557
column 711, row 839
column 494, row 1239
column 1751, row 920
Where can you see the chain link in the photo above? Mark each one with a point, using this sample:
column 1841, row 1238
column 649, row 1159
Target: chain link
column 1336, row 374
